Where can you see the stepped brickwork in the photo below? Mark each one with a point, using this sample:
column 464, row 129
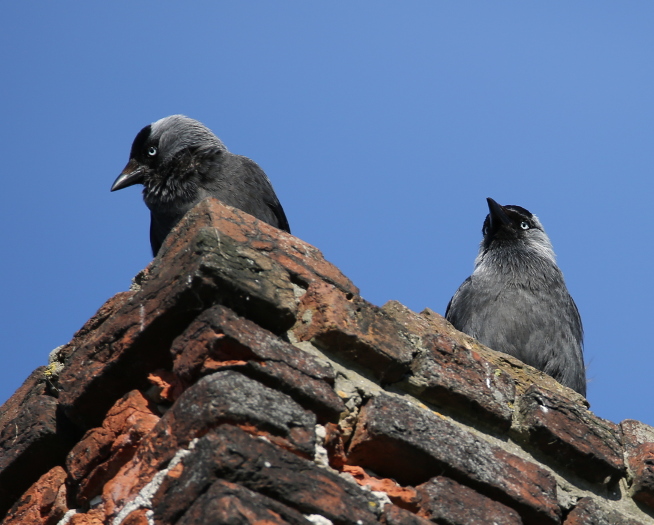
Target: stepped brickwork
column 243, row 380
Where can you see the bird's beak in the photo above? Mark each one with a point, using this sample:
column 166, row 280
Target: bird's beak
column 498, row 216
column 132, row 174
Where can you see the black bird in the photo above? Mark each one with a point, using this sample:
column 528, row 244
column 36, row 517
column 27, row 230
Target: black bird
column 516, row 300
column 180, row 161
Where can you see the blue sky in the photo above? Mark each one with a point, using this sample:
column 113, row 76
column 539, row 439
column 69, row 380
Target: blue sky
column 383, row 127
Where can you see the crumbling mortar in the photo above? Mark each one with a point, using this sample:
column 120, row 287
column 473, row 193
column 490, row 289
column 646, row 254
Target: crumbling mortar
column 139, row 279
column 570, row 488
column 318, row 519
column 628, row 508
column 320, row 455
column 143, row 499
column 53, row 370
column 519, row 434
column 282, row 361
column 355, row 386
column 344, row 366
column 411, row 390
column 67, row 517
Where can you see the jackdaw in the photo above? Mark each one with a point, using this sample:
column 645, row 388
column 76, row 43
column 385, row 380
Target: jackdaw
column 516, row 300
column 180, row 161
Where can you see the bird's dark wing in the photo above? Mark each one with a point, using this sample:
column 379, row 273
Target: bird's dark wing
column 156, row 237
column 463, row 309
column 452, row 312
column 160, row 226
column 261, row 200
column 564, row 346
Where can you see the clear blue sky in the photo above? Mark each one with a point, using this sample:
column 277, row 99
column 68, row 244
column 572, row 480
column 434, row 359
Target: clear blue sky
column 383, row 127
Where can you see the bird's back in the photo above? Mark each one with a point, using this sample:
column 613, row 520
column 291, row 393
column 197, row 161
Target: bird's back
column 247, row 187
column 232, row 179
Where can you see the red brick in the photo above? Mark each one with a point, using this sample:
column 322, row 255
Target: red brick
column 125, row 486
column 405, row 497
column 453, row 374
column 221, row 398
column 167, row 386
column 220, row 339
column 639, row 451
column 571, row 435
column 230, row 397
column 138, row 517
column 354, row 330
column 215, row 247
column 443, row 500
column 588, row 512
column 106, row 311
column 34, row 438
column 450, row 375
column 412, row 322
column 397, row 516
column 190, row 276
column 92, row 517
column 303, row 261
column 334, row 443
column 103, row 451
column 229, row 454
column 43, row 504
column 396, row 439
column 226, row 502
column 522, row 375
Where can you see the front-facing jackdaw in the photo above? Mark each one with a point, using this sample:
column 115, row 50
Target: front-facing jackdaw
column 180, row 161
column 516, row 300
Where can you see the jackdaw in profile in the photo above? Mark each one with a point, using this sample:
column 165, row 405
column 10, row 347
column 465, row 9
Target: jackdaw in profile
column 180, row 161
column 516, row 300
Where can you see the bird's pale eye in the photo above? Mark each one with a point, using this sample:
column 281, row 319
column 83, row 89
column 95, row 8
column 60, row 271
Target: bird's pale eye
column 152, row 151
column 524, row 225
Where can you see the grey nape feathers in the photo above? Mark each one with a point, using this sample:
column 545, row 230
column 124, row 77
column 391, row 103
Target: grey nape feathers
column 180, row 161
column 516, row 300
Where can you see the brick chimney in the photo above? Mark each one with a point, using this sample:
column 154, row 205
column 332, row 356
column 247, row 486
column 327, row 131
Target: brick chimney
column 243, row 380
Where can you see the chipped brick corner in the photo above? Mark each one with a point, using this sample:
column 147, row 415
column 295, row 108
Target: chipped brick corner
column 243, row 379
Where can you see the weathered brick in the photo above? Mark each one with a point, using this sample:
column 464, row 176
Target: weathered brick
column 571, row 435
column 226, row 502
column 216, row 246
column 209, row 307
column 334, row 444
column 449, row 375
column 638, row 441
column 216, row 399
column 397, row 439
column 302, row 260
column 405, row 497
column 34, row 437
column 103, row 451
column 105, row 312
column 138, row 517
column 92, row 517
column 229, row 396
column 588, row 512
column 443, row 500
column 191, row 275
column 354, row 330
column 397, row 516
column 234, row 456
column 452, row 373
column 413, row 322
column 220, row 339
column 522, row 374
column 43, row 504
